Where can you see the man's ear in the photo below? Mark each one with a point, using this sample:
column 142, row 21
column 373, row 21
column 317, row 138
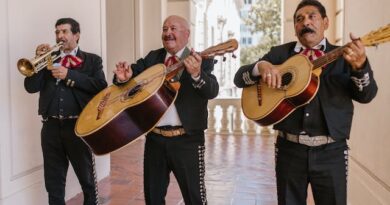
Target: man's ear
column 78, row 37
column 326, row 23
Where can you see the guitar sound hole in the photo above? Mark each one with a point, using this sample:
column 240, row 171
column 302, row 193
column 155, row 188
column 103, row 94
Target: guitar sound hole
column 134, row 91
column 286, row 79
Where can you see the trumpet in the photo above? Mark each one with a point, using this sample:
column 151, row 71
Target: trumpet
column 29, row 67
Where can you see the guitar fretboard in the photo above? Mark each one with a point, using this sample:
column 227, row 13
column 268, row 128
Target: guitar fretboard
column 373, row 38
column 217, row 50
column 328, row 58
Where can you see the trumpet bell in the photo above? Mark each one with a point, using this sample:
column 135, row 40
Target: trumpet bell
column 25, row 67
column 29, row 67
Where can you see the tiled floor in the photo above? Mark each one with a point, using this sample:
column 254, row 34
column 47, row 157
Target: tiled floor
column 239, row 171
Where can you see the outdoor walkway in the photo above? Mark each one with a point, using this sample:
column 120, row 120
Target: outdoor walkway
column 239, row 171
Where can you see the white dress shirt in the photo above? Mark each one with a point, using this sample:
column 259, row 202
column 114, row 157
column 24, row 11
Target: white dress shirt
column 171, row 117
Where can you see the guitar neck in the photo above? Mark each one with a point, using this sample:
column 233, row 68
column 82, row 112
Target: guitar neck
column 328, row 58
column 218, row 50
column 373, row 38
column 180, row 65
column 175, row 67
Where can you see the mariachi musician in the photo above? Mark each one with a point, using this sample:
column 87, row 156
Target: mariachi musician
column 176, row 144
column 312, row 145
column 65, row 87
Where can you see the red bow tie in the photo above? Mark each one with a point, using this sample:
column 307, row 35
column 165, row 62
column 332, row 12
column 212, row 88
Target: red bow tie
column 171, row 60
column 70, row 61
column 312, row 54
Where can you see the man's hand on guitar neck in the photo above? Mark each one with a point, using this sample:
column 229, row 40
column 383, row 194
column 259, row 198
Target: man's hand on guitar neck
column 123, row 72
column 269, row 74
column 193, row 63
column 355, row 53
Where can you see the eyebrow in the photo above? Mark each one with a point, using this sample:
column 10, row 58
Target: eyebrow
column 308, row 13
column 65, row 29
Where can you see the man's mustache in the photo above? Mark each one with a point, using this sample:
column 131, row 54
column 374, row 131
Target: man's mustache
column 168, row 38
column 306, row 30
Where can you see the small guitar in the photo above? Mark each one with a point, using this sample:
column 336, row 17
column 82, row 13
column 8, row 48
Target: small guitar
column 118, row 115
column 300, row 83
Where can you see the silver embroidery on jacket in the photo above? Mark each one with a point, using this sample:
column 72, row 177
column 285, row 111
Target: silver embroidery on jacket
column 361, row 82
column 247, row 78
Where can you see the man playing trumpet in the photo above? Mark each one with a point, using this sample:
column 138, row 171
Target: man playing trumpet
column 63, row 92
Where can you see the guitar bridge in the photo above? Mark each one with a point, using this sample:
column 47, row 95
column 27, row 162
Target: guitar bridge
column 102, row 105
column 259, row 94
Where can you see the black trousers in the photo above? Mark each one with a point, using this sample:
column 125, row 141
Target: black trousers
column 59, row 146
column 324, row 167
column 184, row 156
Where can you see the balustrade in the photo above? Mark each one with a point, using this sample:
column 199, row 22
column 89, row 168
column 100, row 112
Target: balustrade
column 226, row 117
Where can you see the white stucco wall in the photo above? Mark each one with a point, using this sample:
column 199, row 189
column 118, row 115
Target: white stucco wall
column 25, row 24
column 370, row 142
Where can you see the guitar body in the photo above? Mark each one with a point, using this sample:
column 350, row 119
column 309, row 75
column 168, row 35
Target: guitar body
column 300, row 83
column 299, row 86
column 120, row 114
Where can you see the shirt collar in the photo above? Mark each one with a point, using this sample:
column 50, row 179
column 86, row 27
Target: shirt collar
column 178, row 54
column 322, row 46
column 72, row 53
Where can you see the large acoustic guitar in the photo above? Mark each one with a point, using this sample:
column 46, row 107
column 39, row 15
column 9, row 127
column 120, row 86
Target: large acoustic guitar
column 300, row 83
column 119, row 114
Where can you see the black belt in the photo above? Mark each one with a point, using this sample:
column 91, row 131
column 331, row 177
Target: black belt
column 169, row 127
column 60, row 117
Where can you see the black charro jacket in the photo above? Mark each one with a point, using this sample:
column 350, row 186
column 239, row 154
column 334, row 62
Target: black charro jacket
column 88, row 80
column 191, row 102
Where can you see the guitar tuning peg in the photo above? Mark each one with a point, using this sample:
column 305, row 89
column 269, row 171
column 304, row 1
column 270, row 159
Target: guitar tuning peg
column 215, row 61
column 224, row 59
column 234, row 56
